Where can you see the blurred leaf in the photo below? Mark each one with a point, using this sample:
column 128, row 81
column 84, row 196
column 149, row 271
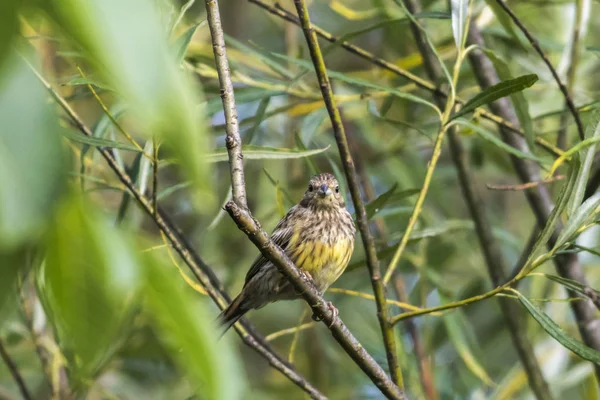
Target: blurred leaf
column 9, row 268
column 460, row 9
column 490, row 137
column 455, row 326
column 505, row 21
column 496, row 92
column 87, row 285
column 126, row 42
column 29, row 145
column 373, row 207
column 79, row 81
column 181, row 44
column 583, row 176
column 575, row 286
column 518, row 98
column 557, row 333
column 359, row 82
column 591, row 142
column 309, row 162
column 242, row 96
column 97, row 142
column 9, row 26
column 189, row 330
column 162, row 194
column 267, row 59
column 261, row 153
column 582, row 215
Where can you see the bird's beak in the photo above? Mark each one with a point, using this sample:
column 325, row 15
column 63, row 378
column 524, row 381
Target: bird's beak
column 324, row 191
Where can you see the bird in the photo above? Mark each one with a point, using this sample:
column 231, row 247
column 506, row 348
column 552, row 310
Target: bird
column 317, row 234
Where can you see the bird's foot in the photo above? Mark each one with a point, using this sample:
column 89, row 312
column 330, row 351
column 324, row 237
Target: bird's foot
column 333, row 310
column 306, row 275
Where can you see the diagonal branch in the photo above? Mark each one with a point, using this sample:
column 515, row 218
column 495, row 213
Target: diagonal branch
column 246, row 222
column 351, row 176
column 539, row 198
column 541, row 53
column 489, row 246
column 422, row 83
column 14, row 371
column 201, row 271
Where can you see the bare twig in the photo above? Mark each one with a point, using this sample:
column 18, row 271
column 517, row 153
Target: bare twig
column 525, row 186
column 14, row 371
column 490, row 248
column 233, row 140
column 280, row 12
column 351, row 176
column 539, row 197
column 301, row 284
column 541, row 53
column 201, row 271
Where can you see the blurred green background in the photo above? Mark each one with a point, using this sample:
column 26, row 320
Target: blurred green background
column 91, row 298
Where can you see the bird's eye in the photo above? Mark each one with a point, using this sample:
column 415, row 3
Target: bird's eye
column 337, row 189
column 310, row 188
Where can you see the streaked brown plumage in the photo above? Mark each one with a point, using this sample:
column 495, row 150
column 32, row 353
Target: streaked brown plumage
column 318, row 236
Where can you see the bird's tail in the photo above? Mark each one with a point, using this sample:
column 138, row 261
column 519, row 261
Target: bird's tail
column 233, row 313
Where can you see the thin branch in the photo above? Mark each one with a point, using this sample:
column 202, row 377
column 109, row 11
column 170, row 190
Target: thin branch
column 541, row 53
column 387, row 331
column 14, row 371
column 525, row 186
column 539, row 197
column 491, row 250
column 233, row 142
column 202, row 272
column 301, row 284
column 370, row 57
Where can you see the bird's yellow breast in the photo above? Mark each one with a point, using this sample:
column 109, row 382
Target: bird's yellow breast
column 324, row 261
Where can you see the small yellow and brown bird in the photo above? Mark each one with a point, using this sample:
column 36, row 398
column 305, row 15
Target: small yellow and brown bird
column 317, row 235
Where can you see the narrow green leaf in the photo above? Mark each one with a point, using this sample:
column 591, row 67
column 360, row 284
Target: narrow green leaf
column 584, row 175
column 378, row 203
column 460, row 10
column 582, row 215
column 360, row 82
column 88, row 285
column 171, row 189
column 518, row 98
column 557, row 333
column 97, row 142
column 187, row 328
column 575, row 286
column 32, row 160
column 504, row 20
column 279, row 68
column 181, row 44
column 456, row 326
column 496, row 92
column 9, row 26
column 490, row 137
column 128, row 48
column 262, row 153
column 242, row 96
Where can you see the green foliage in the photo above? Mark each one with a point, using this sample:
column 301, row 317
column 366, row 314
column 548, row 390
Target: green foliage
column 122, row 316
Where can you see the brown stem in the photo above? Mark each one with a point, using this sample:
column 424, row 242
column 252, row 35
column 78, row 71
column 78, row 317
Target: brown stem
column 539, row 197
column 233, row 142
column 491, row 249
column 339, row 331
column 201, row 271
column 370, row 57
column 14, row 371
column 541, row 53
column 387, row 330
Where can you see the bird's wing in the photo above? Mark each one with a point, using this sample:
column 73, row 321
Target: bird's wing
column 281, row 237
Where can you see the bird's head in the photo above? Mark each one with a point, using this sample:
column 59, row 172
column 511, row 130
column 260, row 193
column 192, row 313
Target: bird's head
column 323, row 191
